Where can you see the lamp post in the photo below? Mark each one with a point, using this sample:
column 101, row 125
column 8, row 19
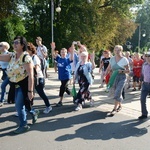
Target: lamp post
column 58, row 9
column 52, row 20
column 141, row 33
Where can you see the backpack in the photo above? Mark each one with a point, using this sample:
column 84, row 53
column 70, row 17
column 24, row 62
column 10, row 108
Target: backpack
column 23, row 60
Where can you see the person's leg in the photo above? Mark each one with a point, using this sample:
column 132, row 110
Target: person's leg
column 102, row 79
column 11, row 94
column 83, row 94
column 118, row 92
column 144, row 93
column 134, row 83
column 63, row 88
column 66, row 87
column 3, row 88
column 128, row 81
column 123, row 93
column 40, row 90
column 61, row 91
column 20, row 107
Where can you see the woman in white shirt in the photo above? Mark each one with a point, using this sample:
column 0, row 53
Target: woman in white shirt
column 39, row 77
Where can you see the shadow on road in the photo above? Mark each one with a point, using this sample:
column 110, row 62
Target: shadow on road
column 106, row 131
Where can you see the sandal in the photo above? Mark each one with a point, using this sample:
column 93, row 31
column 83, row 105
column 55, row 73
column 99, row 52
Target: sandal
column 113, row 112
column 134, row 89
column 119, row 108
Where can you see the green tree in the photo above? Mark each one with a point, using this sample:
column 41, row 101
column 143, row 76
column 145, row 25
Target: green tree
column 142, row 27
column 100, row 24
column 10, row 27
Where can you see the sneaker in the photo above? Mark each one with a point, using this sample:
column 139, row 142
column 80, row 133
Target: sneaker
column 47, row 110
column 113, row 112
column 79, row 107
column 134, row 89
column 22, row 129
column 59, row 104
column 1, row 104
column 16, row 114
column 128, row 87
column 101, row 86
column 119, row 108
column 142, row 117
column 91, row 102
column 35, row 115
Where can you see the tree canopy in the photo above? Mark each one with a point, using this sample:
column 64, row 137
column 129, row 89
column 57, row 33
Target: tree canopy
column 100, row 24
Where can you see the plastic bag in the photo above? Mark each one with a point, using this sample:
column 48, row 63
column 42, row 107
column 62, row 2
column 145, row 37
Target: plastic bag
column 74, row 92
column 112, row 79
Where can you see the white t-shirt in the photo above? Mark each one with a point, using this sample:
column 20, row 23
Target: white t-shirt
column 121, row 63
column 36, row 61
column 39, row 51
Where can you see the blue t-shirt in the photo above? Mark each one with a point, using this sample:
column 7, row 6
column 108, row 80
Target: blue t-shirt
column 64, row 68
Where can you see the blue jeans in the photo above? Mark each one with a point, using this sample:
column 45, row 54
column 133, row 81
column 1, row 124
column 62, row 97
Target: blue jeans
column 145, row 91
column 3, row 88
column 40, row 90
column 20, row 107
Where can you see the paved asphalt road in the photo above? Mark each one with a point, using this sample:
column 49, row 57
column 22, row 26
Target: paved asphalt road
column 88, row 129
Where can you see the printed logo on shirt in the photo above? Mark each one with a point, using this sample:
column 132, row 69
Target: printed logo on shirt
column 60, row 64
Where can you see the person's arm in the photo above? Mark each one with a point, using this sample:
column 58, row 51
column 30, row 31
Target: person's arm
column 101, row 65
column 29, row 68
column 36, row 62
column 53, row 46
column 44, row 51
column 131, row 63
column 5, row 57
column 92, row 59
column 72, row 52
column 126, row 67
column 127, row 70
column 108, row 70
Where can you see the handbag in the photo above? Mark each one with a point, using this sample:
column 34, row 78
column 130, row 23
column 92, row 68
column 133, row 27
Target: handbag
column 74, row 93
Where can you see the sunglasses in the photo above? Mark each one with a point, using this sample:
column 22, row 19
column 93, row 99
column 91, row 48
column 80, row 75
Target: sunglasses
column 16, row 42
column 147, row 55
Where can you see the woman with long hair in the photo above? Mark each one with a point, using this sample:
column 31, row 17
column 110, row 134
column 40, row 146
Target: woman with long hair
column 39, row 77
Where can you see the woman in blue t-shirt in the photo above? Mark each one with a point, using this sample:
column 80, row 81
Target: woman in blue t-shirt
column 64, row 69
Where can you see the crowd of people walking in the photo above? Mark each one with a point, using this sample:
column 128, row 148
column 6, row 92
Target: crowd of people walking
column 25, row 71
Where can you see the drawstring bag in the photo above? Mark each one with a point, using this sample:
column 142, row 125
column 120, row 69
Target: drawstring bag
column 74, row 93
column 112, row 79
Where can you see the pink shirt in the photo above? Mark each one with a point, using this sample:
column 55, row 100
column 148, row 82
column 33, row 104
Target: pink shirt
column 146, row 72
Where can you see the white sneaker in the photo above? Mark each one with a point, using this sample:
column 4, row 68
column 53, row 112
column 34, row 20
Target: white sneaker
column 16, row 114
column 1, row 104
column 91, row 102
column 47, row 110
column 79, row 107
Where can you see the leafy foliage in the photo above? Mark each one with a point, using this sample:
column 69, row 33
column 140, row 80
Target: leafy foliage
column 143, row 19
column 100, row 24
